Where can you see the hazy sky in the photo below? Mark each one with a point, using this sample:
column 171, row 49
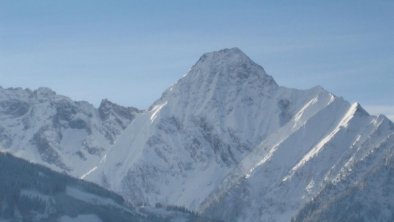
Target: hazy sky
column 130, row 51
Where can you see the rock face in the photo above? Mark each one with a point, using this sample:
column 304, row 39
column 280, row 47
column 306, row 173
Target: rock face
column 55, row 131
column 226, row 141
column 34, row 193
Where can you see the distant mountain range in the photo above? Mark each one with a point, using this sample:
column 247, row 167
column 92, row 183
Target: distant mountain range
column 225, row 141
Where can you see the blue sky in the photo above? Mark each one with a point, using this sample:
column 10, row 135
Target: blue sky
column 130, row 51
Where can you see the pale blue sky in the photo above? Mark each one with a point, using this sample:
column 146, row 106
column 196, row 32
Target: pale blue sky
column 130, row 51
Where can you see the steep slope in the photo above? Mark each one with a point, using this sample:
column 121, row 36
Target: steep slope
column 226, row 140
column 299, row 167
column 34, row 193
column 366, row 194
column 57, row 132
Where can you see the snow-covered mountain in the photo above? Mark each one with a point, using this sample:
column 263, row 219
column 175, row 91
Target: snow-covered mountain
column 226, row 140
column 55, row 131
column 30, row 192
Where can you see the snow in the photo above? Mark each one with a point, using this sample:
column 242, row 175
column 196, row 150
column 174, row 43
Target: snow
column 301, row 112
column 89, row 172
column 156, row 109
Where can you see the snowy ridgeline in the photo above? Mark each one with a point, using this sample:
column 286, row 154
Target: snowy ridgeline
column 34, row 193
column 226, row 141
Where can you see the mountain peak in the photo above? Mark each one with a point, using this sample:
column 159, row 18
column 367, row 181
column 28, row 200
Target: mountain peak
column 232, row 56
column 226, row 52
column 229, row 66
column 226, row 75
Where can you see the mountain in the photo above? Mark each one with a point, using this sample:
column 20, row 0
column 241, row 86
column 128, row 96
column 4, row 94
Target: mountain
column 196, row 133
column 228, row 141
column 57, row 132
column 34, row 193
column 225, row 141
